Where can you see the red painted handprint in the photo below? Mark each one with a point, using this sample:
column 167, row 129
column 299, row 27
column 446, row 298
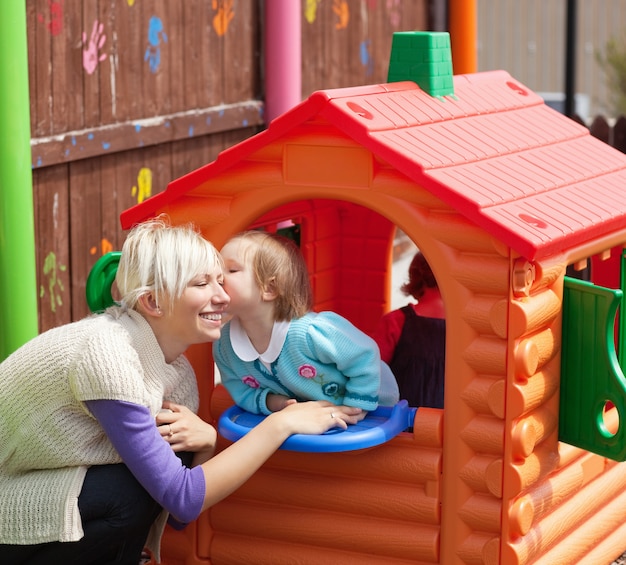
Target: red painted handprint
column 55, row 25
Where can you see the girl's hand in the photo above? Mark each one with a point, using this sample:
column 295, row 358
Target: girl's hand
column 185, row 431
column 316, row 417
column 276, row 402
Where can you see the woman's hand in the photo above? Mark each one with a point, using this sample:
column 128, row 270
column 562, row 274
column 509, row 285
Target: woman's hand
column 185, row 431
column 230, row 468
column 317, row 417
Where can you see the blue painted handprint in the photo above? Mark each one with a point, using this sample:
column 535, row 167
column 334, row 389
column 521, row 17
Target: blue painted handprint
column 153, row 52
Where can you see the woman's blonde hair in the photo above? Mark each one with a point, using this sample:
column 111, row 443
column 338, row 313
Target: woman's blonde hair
column 163, row 259
column 278, row 265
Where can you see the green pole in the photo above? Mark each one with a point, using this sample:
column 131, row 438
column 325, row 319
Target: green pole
column 18, row 279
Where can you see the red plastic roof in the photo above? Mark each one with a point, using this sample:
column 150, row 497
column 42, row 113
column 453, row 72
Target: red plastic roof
column 532, row 178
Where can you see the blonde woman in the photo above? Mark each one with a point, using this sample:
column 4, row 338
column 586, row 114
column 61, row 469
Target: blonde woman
column 90, row 463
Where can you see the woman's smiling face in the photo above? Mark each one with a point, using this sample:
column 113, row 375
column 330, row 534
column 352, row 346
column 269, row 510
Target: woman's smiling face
column 196, row 317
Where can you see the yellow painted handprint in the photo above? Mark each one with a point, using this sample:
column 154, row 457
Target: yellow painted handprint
column 143, row 189
column 310, row 10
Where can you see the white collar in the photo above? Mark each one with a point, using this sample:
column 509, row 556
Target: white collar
column 243, row 348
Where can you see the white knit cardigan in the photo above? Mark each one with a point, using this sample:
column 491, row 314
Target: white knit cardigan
column 48, row 439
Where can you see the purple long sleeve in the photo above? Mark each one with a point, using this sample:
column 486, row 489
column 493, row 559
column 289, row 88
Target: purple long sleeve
column 133, row 432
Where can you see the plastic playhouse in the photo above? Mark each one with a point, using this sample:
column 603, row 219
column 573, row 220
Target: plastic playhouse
column 501, row 194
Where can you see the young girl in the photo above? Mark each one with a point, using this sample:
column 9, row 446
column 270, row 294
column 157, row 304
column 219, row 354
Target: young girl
column 412, row 339
column 87, row 459
column 275, row 351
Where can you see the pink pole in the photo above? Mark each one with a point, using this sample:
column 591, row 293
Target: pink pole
column 283, row 57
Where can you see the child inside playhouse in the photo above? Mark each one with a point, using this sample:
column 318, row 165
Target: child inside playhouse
column 412, row 339
column 275, row 351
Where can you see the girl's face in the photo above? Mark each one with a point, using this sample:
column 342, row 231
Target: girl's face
column 239, row 281
column 196, row 317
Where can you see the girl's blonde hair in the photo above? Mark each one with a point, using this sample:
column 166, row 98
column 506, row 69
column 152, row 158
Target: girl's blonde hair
column 278, row 265
column 163, row 259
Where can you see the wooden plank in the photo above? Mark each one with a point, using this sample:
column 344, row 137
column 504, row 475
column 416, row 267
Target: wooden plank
column 130, row 186
column 212, row 60
column 96, row 31
column 202, row 61
column 50, row 191
column 128, row 49
column 111, row 189
column 109, row 16
column 619, row 134
column 158, row 159
column 314, row 49
column 40, row 46
column 238, row 24
column 357, row 36
column 31, row 29
column 68, row 96
column 600, row 129
column 93, row 142
column 189, row 47
column 335, row 18
column 85, row 227
column 157, row 65
column 176, row 43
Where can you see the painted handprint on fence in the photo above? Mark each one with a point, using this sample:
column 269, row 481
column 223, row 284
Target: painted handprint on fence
column 224, row 15
column 366, row 57
column 55, row 25
column 153, row 52
column 393, row 9
column 143, row 189
column 91, row 48
column 55, row 285
column 105, row 247
column 340, row 7
column 310, row 10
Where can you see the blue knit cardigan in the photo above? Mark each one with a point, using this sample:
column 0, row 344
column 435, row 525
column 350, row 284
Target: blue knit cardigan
column 324, row 357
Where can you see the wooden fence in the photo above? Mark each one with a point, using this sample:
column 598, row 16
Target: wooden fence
column 127, row 95
column 613, row 132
